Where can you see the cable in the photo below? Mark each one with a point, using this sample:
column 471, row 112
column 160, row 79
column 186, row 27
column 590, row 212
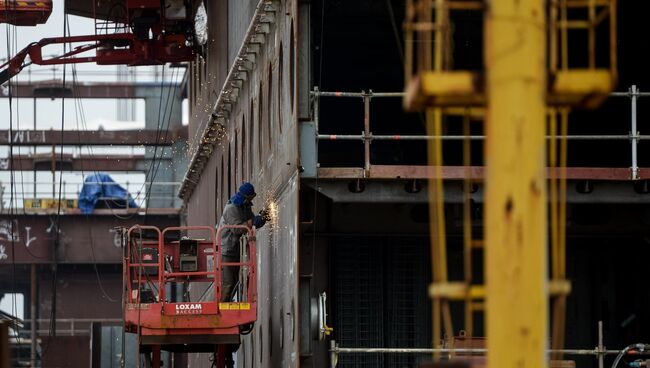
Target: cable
column 155, row 173
column 57, row 229
column 14, row 307
column 322, row 32
column 398, row 43
column 634, row 347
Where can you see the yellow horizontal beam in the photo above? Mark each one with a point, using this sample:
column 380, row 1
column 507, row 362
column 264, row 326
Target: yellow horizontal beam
column 444, row 89
column 574, row 24
column 585, row 3
column 459, row 290
column 559, row 287
column 580, row 87
column 456, row 291
column 478, row 243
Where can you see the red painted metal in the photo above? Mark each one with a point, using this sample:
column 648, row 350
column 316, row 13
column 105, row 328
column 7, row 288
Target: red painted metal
column 132, row 137
column 25, row 12
column 110, row 49
column 168, row 322
column 143, row 37
column 474, row 172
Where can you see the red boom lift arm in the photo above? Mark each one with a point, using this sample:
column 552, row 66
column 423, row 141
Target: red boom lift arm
column 146, row 37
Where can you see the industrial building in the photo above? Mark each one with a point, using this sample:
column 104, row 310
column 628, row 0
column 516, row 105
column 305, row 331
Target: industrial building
column 448, row 182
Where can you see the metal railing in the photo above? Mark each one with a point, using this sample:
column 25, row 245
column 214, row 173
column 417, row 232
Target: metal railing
column 366, row 136
column 141, row 193
column 600, row 351
column 69, row 326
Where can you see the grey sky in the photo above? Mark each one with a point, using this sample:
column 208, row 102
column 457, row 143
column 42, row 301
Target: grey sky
column 98, row 114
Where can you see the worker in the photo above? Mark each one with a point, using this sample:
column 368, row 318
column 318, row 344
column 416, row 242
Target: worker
column 238, row 211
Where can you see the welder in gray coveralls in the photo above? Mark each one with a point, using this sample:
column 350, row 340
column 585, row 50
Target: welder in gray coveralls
column 238, row 211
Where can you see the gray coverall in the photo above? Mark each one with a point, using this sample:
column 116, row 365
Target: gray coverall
column 232, row 215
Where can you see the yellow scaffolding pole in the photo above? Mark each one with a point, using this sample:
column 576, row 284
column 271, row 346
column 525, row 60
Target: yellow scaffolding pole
column 516, row 207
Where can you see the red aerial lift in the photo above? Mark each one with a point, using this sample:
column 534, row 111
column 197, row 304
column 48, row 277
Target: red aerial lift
column 156, row 261
column 25, row 12
column 133, row 32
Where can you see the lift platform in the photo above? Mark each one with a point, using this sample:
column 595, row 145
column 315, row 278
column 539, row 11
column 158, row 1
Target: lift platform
column 158, row 262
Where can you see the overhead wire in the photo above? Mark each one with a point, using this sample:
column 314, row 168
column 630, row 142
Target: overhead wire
column 157, row 164
column 57, row 221
column 79, row 106
column 14, row 307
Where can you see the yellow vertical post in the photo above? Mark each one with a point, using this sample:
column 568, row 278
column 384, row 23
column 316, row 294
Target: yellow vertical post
column 516, row 222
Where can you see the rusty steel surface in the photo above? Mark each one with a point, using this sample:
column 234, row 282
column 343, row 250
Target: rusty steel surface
column 92, row 137
column 259, row 145
column 129, row 212
column 83, row 239
column 70, row 162
column 474, row 172
column 55, row 89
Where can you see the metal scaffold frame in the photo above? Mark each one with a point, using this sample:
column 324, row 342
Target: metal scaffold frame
column 367, row 137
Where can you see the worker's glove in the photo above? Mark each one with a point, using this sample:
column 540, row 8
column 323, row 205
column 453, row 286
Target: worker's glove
column 265, row 214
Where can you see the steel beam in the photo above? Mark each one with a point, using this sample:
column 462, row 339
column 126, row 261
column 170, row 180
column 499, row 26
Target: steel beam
column 415, row 192
column 4, row 345
column 516, row 215
column 474, row 172
column 92, row 137
column 84, row 239
column 56, row 89
column 71, row 163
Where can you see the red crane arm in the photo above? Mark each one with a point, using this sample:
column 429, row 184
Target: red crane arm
column 111, row 49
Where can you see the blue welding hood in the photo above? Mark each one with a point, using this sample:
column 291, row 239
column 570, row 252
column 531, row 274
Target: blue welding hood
column 101, row 191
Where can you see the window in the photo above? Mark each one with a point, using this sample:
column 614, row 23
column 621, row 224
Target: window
column 229, row 178
column 269, row 106
column 222, row 194
column 217, row 193
column 292, row 67
column 260, row 105
column 251, row 115
column 280, row 85
column 281, row 328
column 14, row 304
column 270, row 329
column 261, row 343
column 293, row 320
column 252, row 350
column 244, row 156
column 236, row 156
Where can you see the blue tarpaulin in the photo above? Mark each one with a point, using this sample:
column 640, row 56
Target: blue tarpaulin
column 101, row 187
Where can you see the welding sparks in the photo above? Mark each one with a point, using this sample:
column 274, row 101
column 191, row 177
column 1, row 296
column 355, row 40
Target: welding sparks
column 273, row 208
column 273, row 211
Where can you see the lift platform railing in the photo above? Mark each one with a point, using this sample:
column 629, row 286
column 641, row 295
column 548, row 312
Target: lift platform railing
column 367, row 137
column 209, row 269
column 248, row 258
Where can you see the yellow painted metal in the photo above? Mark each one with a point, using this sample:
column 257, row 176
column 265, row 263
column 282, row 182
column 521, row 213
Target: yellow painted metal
column 459, row 290
column 516, row 213
column 585, row 87
column 558, row 227
column 441, row 311
column 49, row 203
column 467, row 222
column 444, row 88
column 456, row 290
column 570, row 85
